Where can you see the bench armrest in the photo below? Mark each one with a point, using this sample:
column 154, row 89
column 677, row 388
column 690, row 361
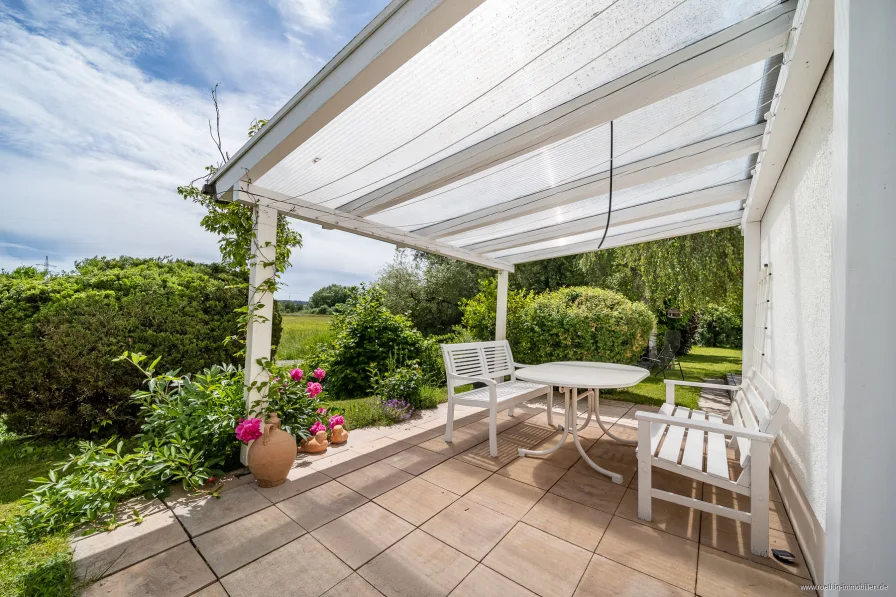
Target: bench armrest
column 700, row 384
column 709, row 426
column 452, row 377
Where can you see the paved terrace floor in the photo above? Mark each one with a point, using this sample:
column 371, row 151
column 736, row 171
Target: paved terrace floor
column 399, row 512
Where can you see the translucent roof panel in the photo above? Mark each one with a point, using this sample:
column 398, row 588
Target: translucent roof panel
column 714, row 108
column 505, row 62
column 710, row 176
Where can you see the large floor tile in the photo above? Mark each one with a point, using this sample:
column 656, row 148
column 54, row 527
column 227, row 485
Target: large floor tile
column 173, row 573
column 733, row 537
column 461, row 440
column 381, row 448
column 105, row 553
column 611, row 450
column 501, row 494
column 417, row 566
column 215, row 590
column 322, row 504
column 469, row 527
column 416, row 501
column 527, row 435
column 661, row 555
column 417, row 435
column 540, row 562
column 298, row 480
column 569, row 520
column 533, row 471
column 238, row 543
column 606, row 578
column 674, row 483
column 590, row 491
column 301, row 568
column 777, row 516
column 564, row 457
column 341, row 463
column 200, row 514
column 480, row 455
column 665, row 516
column 375, row 479
column 353, row 586
column 415, row 460
column 628, row 472
column 361, row 534
column 724, row 575
column 485, row 582
column 456, row 476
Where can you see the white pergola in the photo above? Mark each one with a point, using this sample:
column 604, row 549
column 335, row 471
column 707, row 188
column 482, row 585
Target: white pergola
column 479, row 130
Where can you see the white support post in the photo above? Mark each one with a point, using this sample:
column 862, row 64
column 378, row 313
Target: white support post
column 501, row 307
column 860, row 530
column 752, row 266
column 261, row 304
column 645, row 489
column 759, row 467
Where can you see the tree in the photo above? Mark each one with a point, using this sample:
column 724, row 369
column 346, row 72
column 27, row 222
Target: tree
column 332, row 295
column 548, row 274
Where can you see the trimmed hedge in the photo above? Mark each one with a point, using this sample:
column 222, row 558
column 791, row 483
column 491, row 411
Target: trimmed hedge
column 62, row 332
column 573, row 324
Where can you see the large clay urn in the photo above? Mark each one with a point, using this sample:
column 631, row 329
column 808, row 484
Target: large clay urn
column 271, row 456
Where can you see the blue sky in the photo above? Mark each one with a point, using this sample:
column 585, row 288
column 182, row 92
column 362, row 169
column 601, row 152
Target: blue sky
column 103, row 112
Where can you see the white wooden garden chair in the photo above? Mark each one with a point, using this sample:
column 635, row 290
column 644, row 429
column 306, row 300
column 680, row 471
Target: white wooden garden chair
column 692, row 443
column 488, row 363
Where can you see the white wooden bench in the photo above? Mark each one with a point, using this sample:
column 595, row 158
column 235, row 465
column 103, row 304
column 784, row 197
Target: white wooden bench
column 692, row 443
column 488, row 363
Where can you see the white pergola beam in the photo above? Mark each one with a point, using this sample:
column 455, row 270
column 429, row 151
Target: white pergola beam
column 740, row 45
column 725, row 147
column 666, row 206
column 336, row 220
column 725, row 220
column 394, row 36
column 809, row 50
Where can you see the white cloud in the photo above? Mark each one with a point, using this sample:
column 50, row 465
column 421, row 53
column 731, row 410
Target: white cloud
column 303, row 15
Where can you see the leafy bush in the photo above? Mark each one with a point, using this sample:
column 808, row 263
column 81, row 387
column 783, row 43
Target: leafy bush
column 401, row 383
column 62, row 332
column 720, row 326
column 579, row 323
column 330, row 296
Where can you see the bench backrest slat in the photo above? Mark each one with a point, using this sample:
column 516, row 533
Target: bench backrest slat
column 756, row 407
column 478, row 359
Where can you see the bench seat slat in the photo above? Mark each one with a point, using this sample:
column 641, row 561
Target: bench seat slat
column 671, row 447
column 657, row 430
column 716, row 455
column 693, row 444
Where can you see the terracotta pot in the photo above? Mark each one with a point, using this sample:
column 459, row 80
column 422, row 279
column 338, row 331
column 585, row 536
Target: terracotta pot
column 338, row 435
column 272, row 455
column 315, row 445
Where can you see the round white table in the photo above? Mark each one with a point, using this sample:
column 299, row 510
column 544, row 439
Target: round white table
column 570, row 376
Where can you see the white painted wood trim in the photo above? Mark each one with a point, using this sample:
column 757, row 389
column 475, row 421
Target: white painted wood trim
column 752, row 258
column 689, row 502
column 709, row 426
column 501, row 307
column 699, row 476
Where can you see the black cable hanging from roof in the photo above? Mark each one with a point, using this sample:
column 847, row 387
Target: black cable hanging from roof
column 610, row 205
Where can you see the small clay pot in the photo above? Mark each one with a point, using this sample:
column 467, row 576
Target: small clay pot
column 315, row 445
column 338, row 435
column 271, row 456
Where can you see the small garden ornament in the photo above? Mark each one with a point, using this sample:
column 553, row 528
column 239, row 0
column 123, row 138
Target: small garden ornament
column 317, row 443
column 273, row 452
column 338, row 434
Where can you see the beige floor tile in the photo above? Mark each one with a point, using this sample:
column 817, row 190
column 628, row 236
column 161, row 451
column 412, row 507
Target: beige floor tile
column 297, row 481
column 612, row 402
column 485, row 582
column 526, row 435
column 322, row 504
column 611, row 450
column 382, row 447
column 469, row 527
column 235, row 545
column 200, row 514
column 215, row 590
column 510, row 498
column 417, row 566
column 461, row 440
column 353, row 586
column 173, row 573
column 538, row 561
column 416, row 435
column 583, row 468
column 724, row 575
column 106, row 553
column 301, row 568
column 661, row 555
column 611, row 414
column 568, row 520
column 665, row 516
column 533, row 471
column 606, row 578
column 674, row 483
column 415, row 460
column 342, row 463
column 361, row 534
column 777, row 515
column 375, row 479
column 564, row 457
column 733, row 537
column 479, row 455
column 591, row 491
column 416, row 501
column 456, row 476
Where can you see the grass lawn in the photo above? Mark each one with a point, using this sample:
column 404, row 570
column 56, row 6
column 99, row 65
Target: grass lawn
column 300, row 331
column 43, row 568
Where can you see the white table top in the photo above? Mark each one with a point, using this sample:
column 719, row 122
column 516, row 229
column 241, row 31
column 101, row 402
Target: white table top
column 583, row 374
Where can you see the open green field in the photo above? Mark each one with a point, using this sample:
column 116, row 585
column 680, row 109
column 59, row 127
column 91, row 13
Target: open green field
column 300, row 331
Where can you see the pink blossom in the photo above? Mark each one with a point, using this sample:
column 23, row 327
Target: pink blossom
column 319, row 374
column 314, row 389
column 321, row 411
column 336, row 420
column 296, row 374
column 317, row 428
column 248, row 430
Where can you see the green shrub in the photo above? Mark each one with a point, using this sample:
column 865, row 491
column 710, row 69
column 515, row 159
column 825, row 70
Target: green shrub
column 399, row 383
column 720, row 326
column 579, row 324
column 62, row 332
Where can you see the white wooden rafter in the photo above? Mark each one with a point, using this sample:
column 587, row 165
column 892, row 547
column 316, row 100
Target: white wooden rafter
column 750, row 41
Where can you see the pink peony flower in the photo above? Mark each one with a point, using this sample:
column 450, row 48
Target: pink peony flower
column 317, row 428
column 314, row 389
column 248, row 430
column 321, row 411
column 336, row 420
column 319, row 373
column 296, row 374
